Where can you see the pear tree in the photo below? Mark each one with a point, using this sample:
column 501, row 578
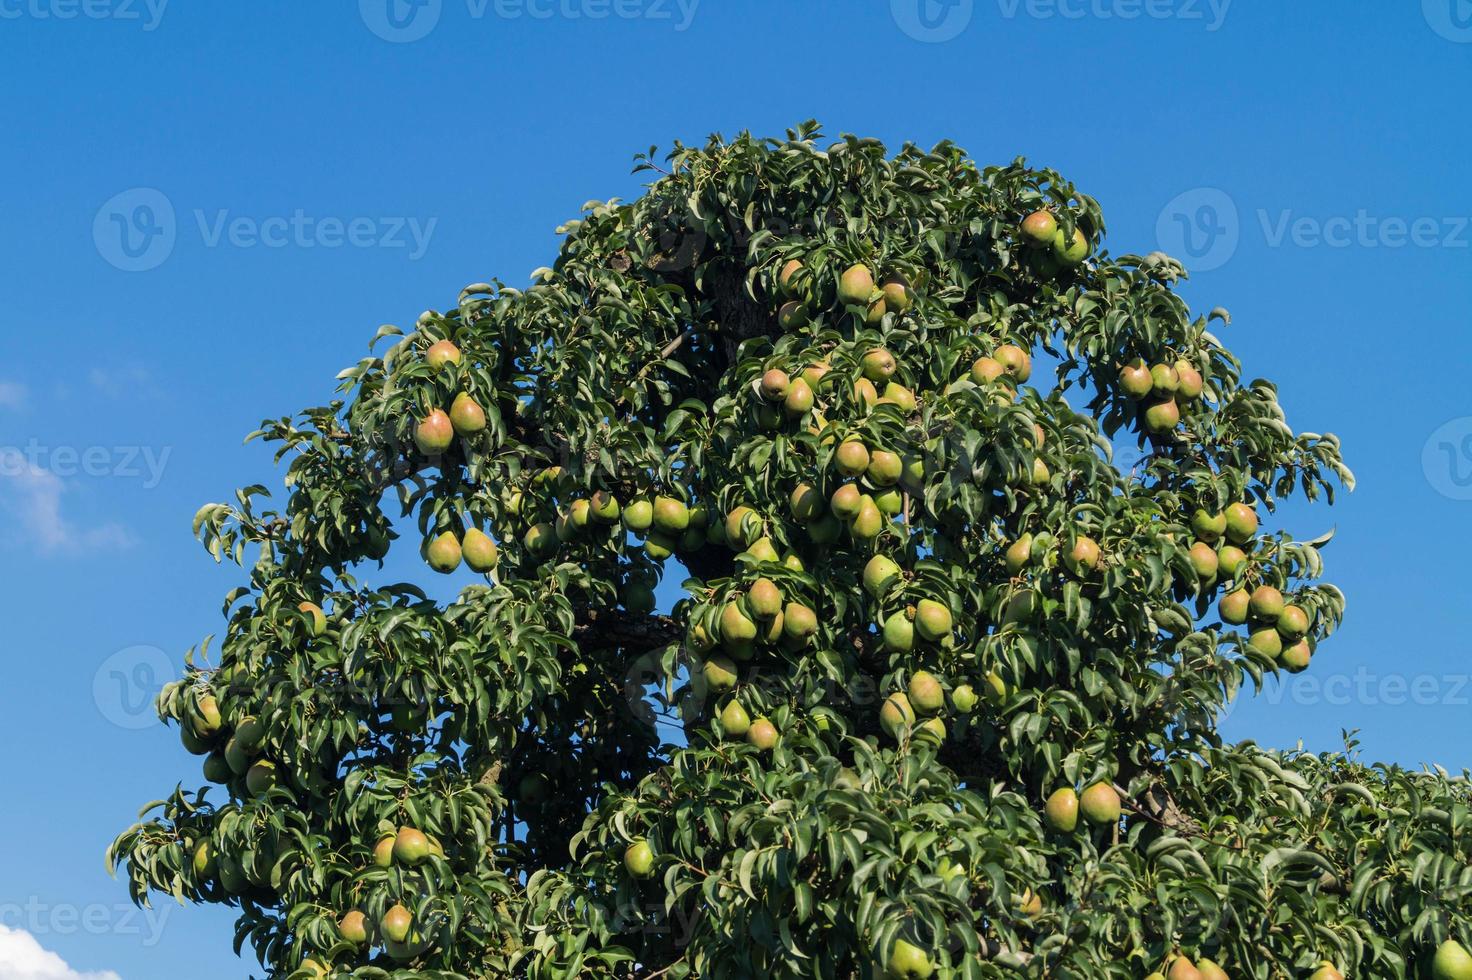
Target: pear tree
column 970, row 525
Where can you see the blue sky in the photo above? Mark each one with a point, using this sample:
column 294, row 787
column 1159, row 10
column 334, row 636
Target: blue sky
column 206, row 210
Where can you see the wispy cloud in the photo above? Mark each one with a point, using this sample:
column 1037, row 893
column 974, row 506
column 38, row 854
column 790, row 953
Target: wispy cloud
column 12, row 394
column 33, row 495
column 123, row 381
column 23, row 958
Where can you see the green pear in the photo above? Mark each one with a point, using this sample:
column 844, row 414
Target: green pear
column 878, row 365
column 806, row 503
column 869, row 522
column 720, row 674
column 1451, row 962
column 1018, row 554
column 855, row 285
column 908, row 962
column 466, row 415
column 261, row 778
column 1266, row 603
column 670, row 515
column 1266, row 641
column 764, row 599
column 899, row 632
column 217, row 770
column 1234, row 607
column 901, row 397
column 1204, row 560
column 986, row 370
column 799, row 622
column 799, row 400
column 881, row 575
column 639, row 516
column 735, row 720
column 933, row 620
column 479, row 551
column 896, row 715
column 891, row 501
column 396, row 924
column 1163, row 379
column 204, row 716
column 540, row 541
column 846, row 502
column 1295, row 657
column 791, row 315
column 964, row 699
column 660, row 546
column 444, row 553
column 1209, row 970
column 897, row 294
column 1016, row 361
column 1326, row 971
column 851, row 458
column 204, row 863
column 1061, row 810
column 1230, row 559
column 383, row 852
column 736, row 626
column 762, row 549
column 353, row 928
column 411, row 847
column 1070, row 250
column 1183, row 969
column 1135, row 380
column 743, row 526
column 1189, row 383
column 925, row 692
column 762, row 735
column 1162, row 416
column 1207, row 525
column 1241, row 523
column 1293, row 622
column 605, row 507
column 785, row 280
column 317, row 618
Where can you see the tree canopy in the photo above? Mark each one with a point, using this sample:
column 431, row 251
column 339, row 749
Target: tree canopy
column 940, row 694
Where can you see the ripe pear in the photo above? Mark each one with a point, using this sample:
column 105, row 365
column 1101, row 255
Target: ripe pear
column 1135, row 380
column 1293, row 622
column 383, row 852
column 411, row 847
column 931, row 730
column 1100, row 804
column 890, row 501
column 774, row 384
column 1210, row 971
column 899, row 632
column 1061, row 810
column 913, row 478
column 1039, row 228
column 785, row 280
column 964, row 699
column 441, row 354
column 851, row 458
column 855, row 286
column 806, row 503
column 1241, row 523
column 762, row 734
column 896, row 716
column 1266, row 641
column 899, row 396
column 735, row 720
column 880, row 575
column 908, row 962
column 659, row 545
column 1016, row 361
column 925, row 692
column 996, row 688
column 933, row 620
column 670, row 515
column 1295, row 658
column 1164, row 380
column 1019, row 553
column 762, row 549
column 353, row 928
column 604, row 507
column 878, row 365
column 985, row 370
column 1208, row 526
column 204, row 717
column 799, row 622
column 396, row 924
column 435, row 433
column 815, row 373
column 799, row 400
column 846, row 501
column 868, row 523
column 318, row 621
column 540, row 540
column 736, row 626
column 1230, row 560
column 743, row 526
column 444, row 553
column 1326, row 971
column 1204, row 560
column 1189, row 384
column 1084, row 556
column 261, row 778
column 792, row 315
column 479, row 551
column 865, row 393
column 639, row 516
column 1183, row 969
column 1266, row 603
column 1451, row 962
column 1162, row 416
column 467, row 416
column 897, row 295
column 720, row 674
column 764, row 599
column 874, row 312
column 1234, row 607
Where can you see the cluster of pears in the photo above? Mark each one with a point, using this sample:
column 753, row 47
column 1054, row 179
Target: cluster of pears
column 762, row 616
column 856, row 288
column 436, row 432
column 476, row 549
column 1158, row 387
column 1041, row 229
column 1098, row 804
column 1182, row 968
column 230, row 755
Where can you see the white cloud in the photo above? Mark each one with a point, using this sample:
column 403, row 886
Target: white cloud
column 124, row 380
column 33, row 495
column 12, row 394
column 22, row 958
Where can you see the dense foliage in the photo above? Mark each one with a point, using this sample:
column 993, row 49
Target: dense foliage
column 943, row 682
